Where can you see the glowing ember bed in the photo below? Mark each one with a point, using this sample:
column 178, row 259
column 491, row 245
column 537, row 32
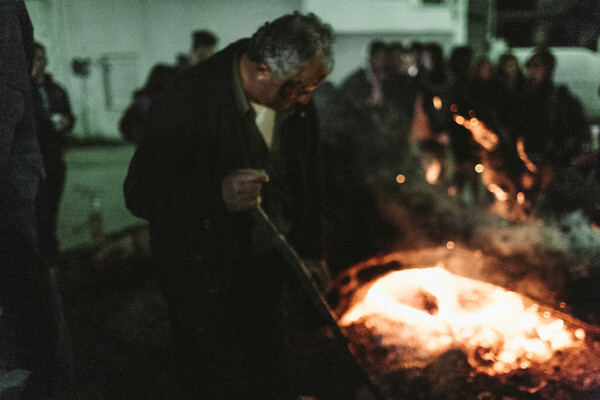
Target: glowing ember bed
column 428, row 333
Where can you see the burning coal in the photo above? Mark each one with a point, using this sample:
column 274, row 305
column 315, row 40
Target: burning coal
column 433, row 310
column 442, row 332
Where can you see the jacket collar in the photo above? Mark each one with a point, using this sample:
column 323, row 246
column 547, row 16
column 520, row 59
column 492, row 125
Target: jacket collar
column 214, row 76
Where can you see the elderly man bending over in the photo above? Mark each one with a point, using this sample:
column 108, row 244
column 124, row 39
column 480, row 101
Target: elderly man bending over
column 230, row 134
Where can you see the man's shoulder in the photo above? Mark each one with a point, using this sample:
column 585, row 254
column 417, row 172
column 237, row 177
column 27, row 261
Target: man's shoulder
column 209, row 82
column 9, row 8
column 357, row 75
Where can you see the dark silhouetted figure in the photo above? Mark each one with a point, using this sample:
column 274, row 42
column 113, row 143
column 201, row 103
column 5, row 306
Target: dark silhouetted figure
column 203, row 46
column 465, row 150
column 132, row 121
column 364, row 87
column 510, row 74
column 430, row 121
column 552, row 125
column 33, row 341
column 487, row 92
column 54, row 121
column 402, row 83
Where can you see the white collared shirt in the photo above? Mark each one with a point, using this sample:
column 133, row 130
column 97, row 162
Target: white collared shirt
column 265, row 121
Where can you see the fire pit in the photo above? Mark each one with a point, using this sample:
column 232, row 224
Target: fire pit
column 426, row 325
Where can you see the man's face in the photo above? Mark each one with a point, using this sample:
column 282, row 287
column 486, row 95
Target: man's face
column 485, row 71
column 281, row 94
column 536, row 72
column 39, row 62
column 511, row 68
column 379, row 63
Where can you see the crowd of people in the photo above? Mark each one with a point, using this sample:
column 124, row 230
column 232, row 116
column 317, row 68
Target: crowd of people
column 460, row 111
column 132, row 120
column 227, row 133
column 414, row 95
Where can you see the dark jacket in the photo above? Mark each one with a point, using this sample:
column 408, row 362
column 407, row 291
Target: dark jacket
column 17, row 127
column 553, row 124
column 356, row 88
column 32, row 330
column 52, row 142
column 194, row 137
column 132, row 121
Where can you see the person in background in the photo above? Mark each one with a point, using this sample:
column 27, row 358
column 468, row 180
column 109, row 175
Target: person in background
column 232, row 133
column 464, row 149
column 34, row 347
column 132, row 121
column 402, row 83
column 429, row 130
column 552, row 126
column 364, row 87
column 487, row 92
column 54, row 121
column 203, row 46
column 510, row 74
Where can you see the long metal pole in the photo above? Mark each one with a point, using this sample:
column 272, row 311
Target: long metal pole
column 307, row 284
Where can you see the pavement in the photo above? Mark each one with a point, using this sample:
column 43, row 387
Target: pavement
column 95, row 176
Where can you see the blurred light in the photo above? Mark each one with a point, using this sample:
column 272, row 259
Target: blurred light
column 433, row 171
column 527, row 181
column 562, row 304
column 474, row 121
column 413, row 70
column 437, row 102
column 498, row 192
column 478, row 253
column 580, row 334
column 521, row 198
column 450, row 245
column 459, row 119
column 479, row 168
column 454, row 108
column 400, row 178
column 471, row 114
column 524, row 157
column 452, row 191
column 547, row 314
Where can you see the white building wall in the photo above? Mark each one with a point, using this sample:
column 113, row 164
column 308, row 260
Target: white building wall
column 130, row 36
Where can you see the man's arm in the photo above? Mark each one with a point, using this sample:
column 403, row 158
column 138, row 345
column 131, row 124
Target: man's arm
column 14, row 73
column 170, row 177
column 63, row 107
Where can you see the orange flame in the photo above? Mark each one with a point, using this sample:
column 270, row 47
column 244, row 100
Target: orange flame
column 480, row 132
column 524, row 157
column 498, row 192
column 433, row 170
column 432, row 309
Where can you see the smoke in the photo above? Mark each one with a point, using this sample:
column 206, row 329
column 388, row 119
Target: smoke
column 378, row 201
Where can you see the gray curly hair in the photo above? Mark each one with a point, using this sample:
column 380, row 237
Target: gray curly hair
column 286, row 43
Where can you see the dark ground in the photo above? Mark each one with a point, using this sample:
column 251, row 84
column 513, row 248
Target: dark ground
column 120, row 334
